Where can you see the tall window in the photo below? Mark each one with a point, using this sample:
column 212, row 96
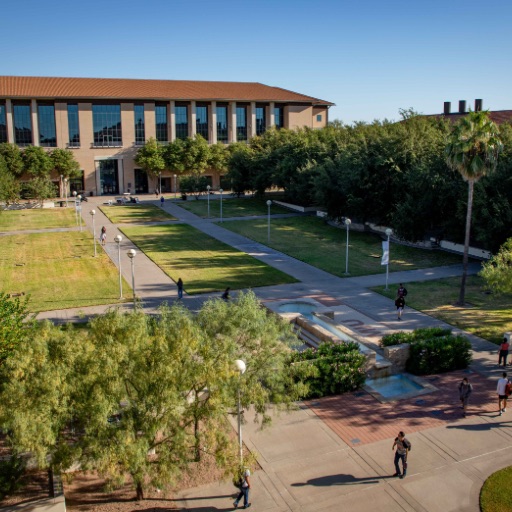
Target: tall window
column 202, row 121
column 241, row 124
column 161, row 123
column 46, row 119
column 73, row 126
column 106, row 120
column 22, row 125
column 181, row 122
column 261, row 122
column 279, row 117
column 3, row 124
column 222, row 124
column 138, row 111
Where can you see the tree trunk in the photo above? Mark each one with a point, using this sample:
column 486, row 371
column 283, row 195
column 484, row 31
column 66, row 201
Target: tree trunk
column 462, row 293
column 140, row 491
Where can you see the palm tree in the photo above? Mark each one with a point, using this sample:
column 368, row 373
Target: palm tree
column 472, row 150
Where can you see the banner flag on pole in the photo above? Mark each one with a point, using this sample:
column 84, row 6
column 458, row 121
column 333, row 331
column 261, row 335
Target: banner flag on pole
column 385, row 253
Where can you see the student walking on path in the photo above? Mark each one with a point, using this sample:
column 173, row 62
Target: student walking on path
column 401, row 291
column 402, row 449
column 400, row 305
column 503, row 352
column 244, row 490
column 503, row 390
column 180, row 288
column 465, row 389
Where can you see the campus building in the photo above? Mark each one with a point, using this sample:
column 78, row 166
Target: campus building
column 104, row 121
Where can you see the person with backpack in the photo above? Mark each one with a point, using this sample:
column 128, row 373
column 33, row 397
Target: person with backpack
column 400, row 305
column 465, row 389
column 401, row 291
column 403, row 447
column 503, row 352
column 504, row 388
column 244, row 486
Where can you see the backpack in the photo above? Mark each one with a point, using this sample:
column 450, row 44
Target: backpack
column 404, row 293
column 508, row 389
column 407, row 444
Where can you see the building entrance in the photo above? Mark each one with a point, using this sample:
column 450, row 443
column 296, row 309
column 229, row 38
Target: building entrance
column 109, row 176
column 141, row 182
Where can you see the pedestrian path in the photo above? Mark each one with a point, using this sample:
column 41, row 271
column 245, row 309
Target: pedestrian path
column 335, row 454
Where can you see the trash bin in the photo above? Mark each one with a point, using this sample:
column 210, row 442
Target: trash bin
column 62, row 204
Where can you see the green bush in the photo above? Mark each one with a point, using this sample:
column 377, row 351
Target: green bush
column 337, row 368
column 11, row 471
column 439, row 354
column 426, row 333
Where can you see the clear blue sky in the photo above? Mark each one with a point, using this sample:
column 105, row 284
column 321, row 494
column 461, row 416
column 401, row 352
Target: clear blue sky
column 370, row 57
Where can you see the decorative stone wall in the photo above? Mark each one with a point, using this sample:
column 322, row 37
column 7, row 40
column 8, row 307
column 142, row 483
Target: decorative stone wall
column 398, row 355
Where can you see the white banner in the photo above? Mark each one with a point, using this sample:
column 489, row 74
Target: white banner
column 385, row 253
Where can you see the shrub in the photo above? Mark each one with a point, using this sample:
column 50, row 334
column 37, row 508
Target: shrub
column 11, row 471
column 439, row 354
column 426, row 333
column 337, row 368
column 396, row 338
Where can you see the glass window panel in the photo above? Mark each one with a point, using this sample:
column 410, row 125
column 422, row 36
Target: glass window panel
column 202, row 121
column 278, row 117
column 73, row 126
column 181, row 122
column 22, row 125
column 107, row 125
column 241, row 124
column 46, row 121
column 261, row 124
column 3, row 124
column 222, row 124
column 138, row 111
column 161, row 123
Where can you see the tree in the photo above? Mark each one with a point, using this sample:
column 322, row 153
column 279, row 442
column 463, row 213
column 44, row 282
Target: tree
column 497, row 272
column 40, row 188
column 9, row 186
column 37, row 162
column 13, row 313
column 473, row 148
column 195, row 155
column 12, row 156
column 150, row 157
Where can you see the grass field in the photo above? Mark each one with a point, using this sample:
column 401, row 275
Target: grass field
column 230, row 207
column 486, row 315
column 58, row 270
column 20, row 220
column 135, row 214
column 310, row 240
column 496, row 493
column 204, row 264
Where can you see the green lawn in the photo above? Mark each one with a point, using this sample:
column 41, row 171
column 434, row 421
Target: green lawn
column 48, row 218
column 496, row 493
column 58, row 270
column 311, row 240
column 135, row 214
column 230, row 207
column 204, row 264
column 487, row 315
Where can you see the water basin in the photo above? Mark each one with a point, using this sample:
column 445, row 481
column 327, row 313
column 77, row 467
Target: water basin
column 397, row 387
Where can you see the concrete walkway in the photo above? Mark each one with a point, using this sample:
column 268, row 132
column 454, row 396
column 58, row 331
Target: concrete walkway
column 305, row 465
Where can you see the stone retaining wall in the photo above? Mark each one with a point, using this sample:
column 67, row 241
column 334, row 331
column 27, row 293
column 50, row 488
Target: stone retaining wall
column 398, row 355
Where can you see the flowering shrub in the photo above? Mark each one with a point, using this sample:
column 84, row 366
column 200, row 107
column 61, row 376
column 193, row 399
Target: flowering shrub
column 334, row 368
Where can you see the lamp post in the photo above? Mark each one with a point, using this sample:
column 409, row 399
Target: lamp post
column 93, row 213
column 76, row 207
column 66, row 190
column 220, row 190
column 347, row 223
column 118, row 239
column 79, row 210
column 208, row 190
column 240, row 366
column 388, row 233
column 160, row 182
column 269, row 202
column 175, row 186
column 131, row 254
column 61, row 184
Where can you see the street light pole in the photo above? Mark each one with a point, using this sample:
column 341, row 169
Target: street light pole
column 240, row 366
column 93, row 213
column 347, row 223
column 220, row 190
column 269, row 202
column 76, row 207
column 61, row 185
column 79, row 210
column 208, row 189
column 388, row 232
column 118, row 240
column 131, row 254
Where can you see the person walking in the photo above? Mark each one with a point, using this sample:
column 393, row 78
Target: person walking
column 503, row 352
column 465, row 389
column 180, row 288
column 402, row 449
column 225, row 295
column 244, row 490
column 400, row 305
column 103, row 235
column 401, row 291
column 162, row 201
column 502, row 389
